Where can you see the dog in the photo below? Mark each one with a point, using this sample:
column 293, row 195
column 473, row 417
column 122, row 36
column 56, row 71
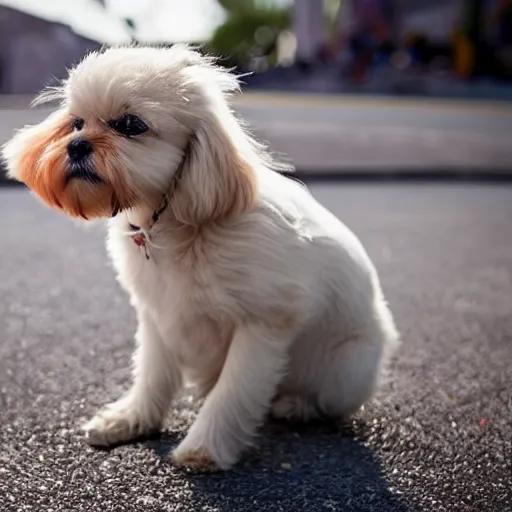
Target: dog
column 243, row 284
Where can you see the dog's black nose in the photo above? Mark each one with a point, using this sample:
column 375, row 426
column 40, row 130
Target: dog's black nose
column 78, row 149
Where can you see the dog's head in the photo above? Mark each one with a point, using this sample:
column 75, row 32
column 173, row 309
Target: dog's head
column 129, row 119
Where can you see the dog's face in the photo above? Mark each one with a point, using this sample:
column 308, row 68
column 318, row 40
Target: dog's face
column 126, row 117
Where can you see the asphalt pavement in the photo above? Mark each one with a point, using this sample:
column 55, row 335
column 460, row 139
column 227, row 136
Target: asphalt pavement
column 437, row 437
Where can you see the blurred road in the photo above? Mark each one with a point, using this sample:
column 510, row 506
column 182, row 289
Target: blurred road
column 350, row 133
column 438, row 436
column 332, row 134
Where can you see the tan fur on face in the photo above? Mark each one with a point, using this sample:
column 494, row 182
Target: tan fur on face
column 34, row 145
column 106, row 164
column 42, row 164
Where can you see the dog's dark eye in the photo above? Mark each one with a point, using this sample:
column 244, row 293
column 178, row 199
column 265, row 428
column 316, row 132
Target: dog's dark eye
column 129, row 125
column 78, row 124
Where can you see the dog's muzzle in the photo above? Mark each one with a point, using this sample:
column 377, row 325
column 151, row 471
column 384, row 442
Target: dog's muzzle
column 80, row 167
column 79, row 149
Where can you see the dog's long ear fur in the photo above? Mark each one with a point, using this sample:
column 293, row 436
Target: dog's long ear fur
column 217, row 180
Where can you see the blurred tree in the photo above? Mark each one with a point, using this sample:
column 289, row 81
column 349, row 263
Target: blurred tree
column 250, row 32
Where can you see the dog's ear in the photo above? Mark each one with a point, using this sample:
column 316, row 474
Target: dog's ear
column 217, row 180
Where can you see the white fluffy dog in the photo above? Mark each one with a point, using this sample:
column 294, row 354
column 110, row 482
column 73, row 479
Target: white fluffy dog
column 243, row 284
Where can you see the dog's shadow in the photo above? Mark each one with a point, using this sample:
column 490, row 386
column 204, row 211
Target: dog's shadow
column 317, row 466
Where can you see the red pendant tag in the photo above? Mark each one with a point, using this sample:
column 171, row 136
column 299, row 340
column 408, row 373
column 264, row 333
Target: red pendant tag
column 139, row 239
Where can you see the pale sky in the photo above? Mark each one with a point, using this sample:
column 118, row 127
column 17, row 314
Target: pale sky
column 175, row 20
column 129, row 7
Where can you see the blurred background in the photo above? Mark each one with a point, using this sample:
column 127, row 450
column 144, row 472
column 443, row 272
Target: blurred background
column 389, row 46
column 336, row 85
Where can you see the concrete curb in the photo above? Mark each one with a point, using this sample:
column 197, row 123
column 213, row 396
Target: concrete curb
column 375, row 176
column 416, row 176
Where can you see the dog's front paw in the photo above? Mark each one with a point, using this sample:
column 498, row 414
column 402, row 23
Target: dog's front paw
column 205, row 452
column 199, row 459
column 118, row 423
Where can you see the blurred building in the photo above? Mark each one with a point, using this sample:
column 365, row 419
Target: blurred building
column 435, row 19
column 468, row 36
column 40, row 38
column 309, row 29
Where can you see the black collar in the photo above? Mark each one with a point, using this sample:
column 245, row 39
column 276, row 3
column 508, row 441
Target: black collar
column 156, row 214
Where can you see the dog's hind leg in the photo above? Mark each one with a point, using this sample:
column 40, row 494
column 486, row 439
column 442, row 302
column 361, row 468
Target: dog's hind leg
column 344, row 377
